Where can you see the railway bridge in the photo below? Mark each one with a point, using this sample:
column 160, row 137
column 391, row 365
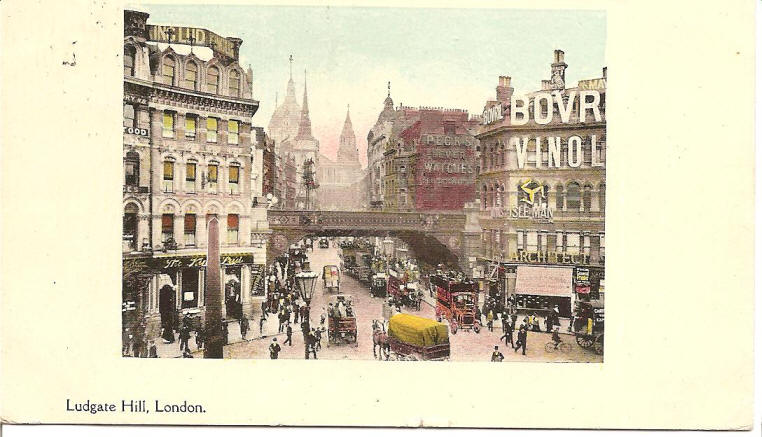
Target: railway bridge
column 437, row 237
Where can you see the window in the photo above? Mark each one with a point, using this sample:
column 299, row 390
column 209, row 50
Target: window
column 233, row 179
column 587, row 197
column 167, row 228
column 169, row 176
column 212, row 80
column 211, row 130
column 129, row 61
column 573, row 197
column 235, row 83
column 191, row 75
column 233, row 132
column 190, row 177
column 232, row 228
column 212, row 177
column 130, row 228
column 129, row 115
column 168, row 125
column 560, row 197
column 190, row 127
column 132, row 169
column 190, row 229
column 168, row 70
column 602, row 197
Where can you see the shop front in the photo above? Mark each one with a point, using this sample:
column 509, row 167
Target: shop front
column 540, row 288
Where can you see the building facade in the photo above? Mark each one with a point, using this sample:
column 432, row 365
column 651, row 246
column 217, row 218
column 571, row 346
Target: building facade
column 542, row 190
column 339, row 179
column 189, row 154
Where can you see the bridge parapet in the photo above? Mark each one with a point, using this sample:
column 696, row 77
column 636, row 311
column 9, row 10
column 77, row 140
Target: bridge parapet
column 367, row 220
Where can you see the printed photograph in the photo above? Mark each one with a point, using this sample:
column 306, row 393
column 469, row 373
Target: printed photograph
column 355, row 183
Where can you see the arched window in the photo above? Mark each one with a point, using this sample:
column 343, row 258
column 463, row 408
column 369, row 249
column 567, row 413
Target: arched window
column 168, row 70
column 499, row 190
column 559, row 197
column 573, row 197
column 129, row 61
column 130, row 227
column 191, row 75
column 491, row 196
column 484, row 197
column 602, row 197
column 587, row 197
column 213, row 80
column 235, row 83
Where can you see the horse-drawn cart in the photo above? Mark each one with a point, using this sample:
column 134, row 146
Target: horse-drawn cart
column 413, row 338
column 331, row 278
column 588, row 325
column 342, row 323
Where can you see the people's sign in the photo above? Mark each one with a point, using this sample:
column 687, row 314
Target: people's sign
column 177, row 262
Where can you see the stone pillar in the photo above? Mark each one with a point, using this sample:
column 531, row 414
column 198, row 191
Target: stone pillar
column 157, row 245
column 201, row 130
column 213, row 316
column 222, row 132
column 180, row 126
column 179, row 229
column 246, row 292
column 595, row 200
column 143, row 230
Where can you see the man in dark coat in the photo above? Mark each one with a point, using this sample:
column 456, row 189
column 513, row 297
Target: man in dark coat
column 521, row 340
column 244, row 326
column 497, row 356
column 508, row 334
column 289, row 331
column 274, row 349
column 184, row 337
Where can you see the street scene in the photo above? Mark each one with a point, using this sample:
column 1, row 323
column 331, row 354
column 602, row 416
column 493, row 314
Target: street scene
column 282, row 203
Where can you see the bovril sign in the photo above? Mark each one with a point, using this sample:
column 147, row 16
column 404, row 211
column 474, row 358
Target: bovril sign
column 136, row 131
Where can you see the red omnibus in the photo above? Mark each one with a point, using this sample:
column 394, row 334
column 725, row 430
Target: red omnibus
column 456, row 302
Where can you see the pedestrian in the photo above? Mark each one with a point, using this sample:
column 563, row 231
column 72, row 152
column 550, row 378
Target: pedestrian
column 274, row 349
column 497, row 356
column 490, row 317
column 521, row 341
column 311, row 340
column 152, row 353
column 262, row 323
column 505, row 322
column 548, row 324
column 137, row 344
column 187, row 353
column 244, row 326
column 319, row 334
column 478, row 316
column 508, row 335
column 514, row 318
column 126, row 342
column 289, row 332
column 224, row 332
column 184, row 337
column 200, row 337
column 556, row 338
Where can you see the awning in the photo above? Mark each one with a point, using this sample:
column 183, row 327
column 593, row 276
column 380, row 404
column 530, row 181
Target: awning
column 544, row 281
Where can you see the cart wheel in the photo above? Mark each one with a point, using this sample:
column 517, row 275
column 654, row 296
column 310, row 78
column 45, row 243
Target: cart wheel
column 598, row 346
column 477, row 328
column 565, row 347
column 584, row 341
column 550, row 347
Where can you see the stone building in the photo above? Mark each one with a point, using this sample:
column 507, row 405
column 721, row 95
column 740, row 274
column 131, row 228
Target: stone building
column 189, row 154
column 340, row 179
column 542, row 190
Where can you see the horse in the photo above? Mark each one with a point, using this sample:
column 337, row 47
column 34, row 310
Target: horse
column 380, row 339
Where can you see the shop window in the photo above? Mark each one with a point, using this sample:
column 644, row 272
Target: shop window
column 520, row 240
column 129, row 115
column 190, row 177
column 167, row 229
column 235, row 83
column 587, row 197
column 232, row 228
column 168, row 125
column 191, row 75
column 213, row 80
column 233, row 126
column 233, row 178
column 211, row 130
column 168, row 70
column 602, row 197
column 129, row 61
column 573, row 197
column 212, row 177
column 190, row 229
column 190, row 288
column 169, row 176
column 190, row 127
column 132, row 169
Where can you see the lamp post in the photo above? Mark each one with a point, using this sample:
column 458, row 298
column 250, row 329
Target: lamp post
column 306, row 281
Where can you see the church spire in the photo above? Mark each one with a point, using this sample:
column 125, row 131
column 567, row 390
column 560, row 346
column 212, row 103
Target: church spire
column 305, row 126
column 347, row 152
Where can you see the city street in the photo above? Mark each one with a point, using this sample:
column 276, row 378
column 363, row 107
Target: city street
column 465, row 345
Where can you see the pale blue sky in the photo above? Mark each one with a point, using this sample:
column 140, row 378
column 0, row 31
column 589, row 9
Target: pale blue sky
column 433, row 57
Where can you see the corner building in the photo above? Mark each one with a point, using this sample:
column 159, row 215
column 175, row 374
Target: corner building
column 541, row 188
column 189, row 154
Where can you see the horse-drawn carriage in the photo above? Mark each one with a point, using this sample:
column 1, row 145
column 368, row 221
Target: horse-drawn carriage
column 342, row 323
column 378, row 285
column 402, row 291
column 588, row 325
column 331, row 278
column 413, row 338
column 456, row 302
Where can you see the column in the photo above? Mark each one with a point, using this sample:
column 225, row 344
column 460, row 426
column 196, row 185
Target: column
column 178, row 289
column 201, row 129
column 222, row 288
column 180, row 126
column 201, row 286
column 222, row 132
column 143, row 230
column 157, row 245
column 179, row 228
column 595, row 200
column 559, row 241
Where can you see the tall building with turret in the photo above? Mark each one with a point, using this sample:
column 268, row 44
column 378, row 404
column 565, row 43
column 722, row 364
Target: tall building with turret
column 340, row 187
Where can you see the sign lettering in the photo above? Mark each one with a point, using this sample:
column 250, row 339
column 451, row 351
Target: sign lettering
column 201, row 37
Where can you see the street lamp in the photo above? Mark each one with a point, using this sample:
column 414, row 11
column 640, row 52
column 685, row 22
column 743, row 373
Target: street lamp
column 306, row 281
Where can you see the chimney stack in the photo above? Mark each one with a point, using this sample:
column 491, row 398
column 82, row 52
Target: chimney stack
column 604, row 72
column 503, row 89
